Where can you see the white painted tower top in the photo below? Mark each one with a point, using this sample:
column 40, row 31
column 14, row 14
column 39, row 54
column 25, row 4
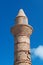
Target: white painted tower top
column 21, row 13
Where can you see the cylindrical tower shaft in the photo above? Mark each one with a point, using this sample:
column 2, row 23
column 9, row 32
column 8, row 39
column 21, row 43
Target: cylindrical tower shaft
column 22, row 32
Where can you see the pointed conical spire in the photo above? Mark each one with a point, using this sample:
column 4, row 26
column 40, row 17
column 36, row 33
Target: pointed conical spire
column 21, row 13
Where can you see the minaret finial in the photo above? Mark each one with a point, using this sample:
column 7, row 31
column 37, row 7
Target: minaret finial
column 21, row 13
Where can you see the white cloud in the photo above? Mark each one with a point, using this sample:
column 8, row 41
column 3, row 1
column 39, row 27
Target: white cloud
column 37, row 52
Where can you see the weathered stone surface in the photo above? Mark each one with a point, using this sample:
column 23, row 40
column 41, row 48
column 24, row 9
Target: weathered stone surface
column 22, row 46
column 22, row 39
column 22, row 29
column 22, row 20
column 23, row 64
column 22, row 56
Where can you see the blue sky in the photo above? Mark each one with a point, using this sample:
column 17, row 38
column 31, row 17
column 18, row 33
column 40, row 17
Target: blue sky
column 8, row 12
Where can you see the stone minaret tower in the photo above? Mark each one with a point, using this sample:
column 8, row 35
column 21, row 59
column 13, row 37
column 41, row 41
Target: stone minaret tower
column 22, row 32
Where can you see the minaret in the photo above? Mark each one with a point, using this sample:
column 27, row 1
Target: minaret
column 22, row 32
